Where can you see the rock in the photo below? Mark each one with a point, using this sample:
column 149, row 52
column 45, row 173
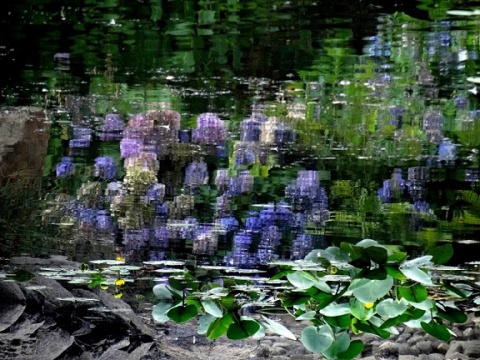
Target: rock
column 24, row 135
column 12, row 304
column 41, row 320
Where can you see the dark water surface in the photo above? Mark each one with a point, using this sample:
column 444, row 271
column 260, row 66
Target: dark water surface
column 243, row 131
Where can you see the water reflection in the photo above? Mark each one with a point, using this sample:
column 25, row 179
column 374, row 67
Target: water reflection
column 222, row 133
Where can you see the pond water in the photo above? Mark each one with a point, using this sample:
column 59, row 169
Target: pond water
column 237, row 132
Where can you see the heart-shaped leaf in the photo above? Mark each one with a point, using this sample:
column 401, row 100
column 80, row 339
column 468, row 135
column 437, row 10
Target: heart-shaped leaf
column 390, row 308
column 317, row 339
column 355, row 349
column 368, row 291
column 441, row 254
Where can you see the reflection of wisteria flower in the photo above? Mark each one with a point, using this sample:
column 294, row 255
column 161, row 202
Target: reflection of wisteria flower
column 210, row 130
column 105, row 167
column 472, row 175
column 205, row 241
column 196, row 174
column 447, row 151
column 242, row 184
column 283, row 135
column 229, row 223
column 433, row 124
column 253, row 222
column 222, row 180
column 111, row 128
column 301, row 246
column 82, row 137
column 155, row 193
column 143, row 161
column 104, row 220
column 240, row 254
column 396, row 113
column 161, row 237
column 222, row 205
column 250, row 130
column 393, row 187
column 461, row 102
column 135, row 239
column 130, row 147
column 65, row 167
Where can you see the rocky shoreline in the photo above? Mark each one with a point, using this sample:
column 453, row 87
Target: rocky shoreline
column 45, row 319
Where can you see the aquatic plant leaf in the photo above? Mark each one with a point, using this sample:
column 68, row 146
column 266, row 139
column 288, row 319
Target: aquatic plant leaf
column 453, row 315
column 301, row 279
column 390, row 308
column 309, row 315
column 317, row 339
column 181, row 314
column 340, row 345
column 358, row 310
column 441, row 254
column 415, row 293
column 335, row 310
column 416, row 274
column 342, row 322
column 160, row 310
column 162, row 292
column 219, row 327
column 355, row 349
column 436, row 330
column 204, row 322
column 368, row 327
column 211, row 307
column 368, row 291
column 278, row 328
column 242, row 330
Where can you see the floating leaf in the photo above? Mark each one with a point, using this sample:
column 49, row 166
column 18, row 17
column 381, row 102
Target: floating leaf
column 317, row 339
column 335, row 310
column 278, row 328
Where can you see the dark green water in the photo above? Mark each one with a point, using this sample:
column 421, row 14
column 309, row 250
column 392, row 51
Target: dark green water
column 378, row 104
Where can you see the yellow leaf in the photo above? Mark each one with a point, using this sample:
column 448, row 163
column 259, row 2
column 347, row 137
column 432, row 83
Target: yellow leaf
column 120, row 258
column 120, row 282
column 104, row 287
column 118, row 295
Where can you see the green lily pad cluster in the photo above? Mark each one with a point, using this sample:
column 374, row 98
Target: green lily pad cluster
column 337, row 292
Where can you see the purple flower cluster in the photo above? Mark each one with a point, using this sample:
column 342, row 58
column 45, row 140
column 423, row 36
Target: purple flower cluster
column 240, row 255
column 65, row 167
column 301, row 246
column 105, row 168
column 210, row 130
column 433, row 126
column 155, row 193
